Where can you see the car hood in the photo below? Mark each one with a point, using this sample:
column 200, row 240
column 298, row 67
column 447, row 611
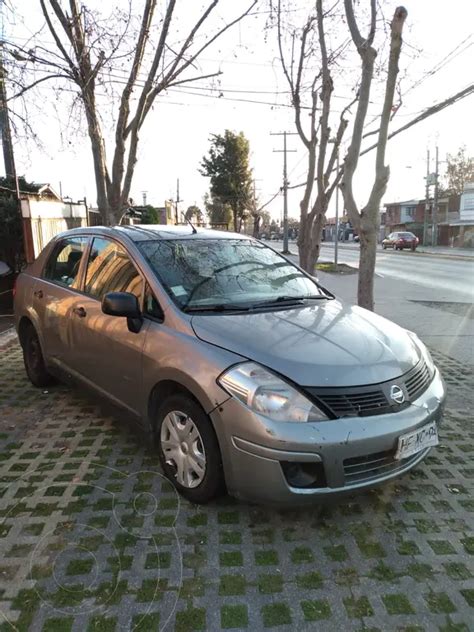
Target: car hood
column 323, row 344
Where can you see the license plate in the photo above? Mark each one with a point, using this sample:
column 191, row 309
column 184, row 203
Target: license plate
column 418, row 440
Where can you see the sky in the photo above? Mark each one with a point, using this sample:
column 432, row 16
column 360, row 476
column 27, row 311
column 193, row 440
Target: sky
column 437, row 62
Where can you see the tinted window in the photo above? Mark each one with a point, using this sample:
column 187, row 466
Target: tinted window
column 63, row 265
column 109, row 269
column 201, row 272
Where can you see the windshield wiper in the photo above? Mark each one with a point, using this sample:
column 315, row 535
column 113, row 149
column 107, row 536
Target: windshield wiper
column 218, row 307
column 290, row 300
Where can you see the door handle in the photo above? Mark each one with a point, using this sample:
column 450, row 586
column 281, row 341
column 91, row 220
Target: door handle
column 38, row 293
column 80, row 311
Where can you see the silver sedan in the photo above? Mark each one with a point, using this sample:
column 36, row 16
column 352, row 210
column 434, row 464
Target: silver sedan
column 247, row 373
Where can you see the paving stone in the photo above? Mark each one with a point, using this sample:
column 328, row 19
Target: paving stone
column 92, row 537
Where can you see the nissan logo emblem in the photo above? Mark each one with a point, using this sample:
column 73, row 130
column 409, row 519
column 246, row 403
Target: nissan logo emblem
column 397, row 394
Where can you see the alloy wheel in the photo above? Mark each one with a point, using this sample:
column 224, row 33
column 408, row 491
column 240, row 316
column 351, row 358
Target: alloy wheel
column 183, row 448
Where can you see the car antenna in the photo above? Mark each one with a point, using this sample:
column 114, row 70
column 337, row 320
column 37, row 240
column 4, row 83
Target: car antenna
column 193, row 228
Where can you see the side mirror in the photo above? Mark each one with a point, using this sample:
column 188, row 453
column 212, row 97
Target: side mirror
column 126, row 305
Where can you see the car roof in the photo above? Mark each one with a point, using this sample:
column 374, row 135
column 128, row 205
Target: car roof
column 152, row 232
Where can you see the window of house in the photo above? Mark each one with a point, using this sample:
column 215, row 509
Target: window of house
column 65, row 260
column 110, row 269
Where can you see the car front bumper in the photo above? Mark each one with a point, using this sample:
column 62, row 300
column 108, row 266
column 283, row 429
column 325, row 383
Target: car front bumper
column 350, row 454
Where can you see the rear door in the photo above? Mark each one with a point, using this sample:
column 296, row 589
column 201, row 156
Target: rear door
column 54, row 294
column 103, row 351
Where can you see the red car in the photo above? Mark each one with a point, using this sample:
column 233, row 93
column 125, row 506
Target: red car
column 401, row 240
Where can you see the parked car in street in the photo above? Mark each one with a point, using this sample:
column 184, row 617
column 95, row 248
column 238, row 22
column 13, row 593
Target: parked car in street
column 400, row 240
column 247, row 373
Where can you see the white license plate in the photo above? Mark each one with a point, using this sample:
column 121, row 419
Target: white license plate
column 418, row 440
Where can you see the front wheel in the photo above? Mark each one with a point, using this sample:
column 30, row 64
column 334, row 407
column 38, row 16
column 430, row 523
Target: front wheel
column 34, row 360
column 188, row 449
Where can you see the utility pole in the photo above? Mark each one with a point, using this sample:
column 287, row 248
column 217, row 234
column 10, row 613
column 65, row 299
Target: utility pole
column 8, row 157
column 177, row 202
column 285, row 186
column 435, row 201
column 427, row 197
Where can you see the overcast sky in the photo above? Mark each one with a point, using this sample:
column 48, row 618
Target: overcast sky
column 254, row 99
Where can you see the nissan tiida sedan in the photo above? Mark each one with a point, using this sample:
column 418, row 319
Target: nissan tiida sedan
column 248, row 374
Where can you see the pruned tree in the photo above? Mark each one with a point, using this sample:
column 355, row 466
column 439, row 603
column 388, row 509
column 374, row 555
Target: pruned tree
column 88, row 49
column 227, row 166
column 307, row 68
column 366, row 219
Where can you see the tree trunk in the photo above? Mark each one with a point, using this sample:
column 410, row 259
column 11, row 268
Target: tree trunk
column 368, row 252
column 256, row 225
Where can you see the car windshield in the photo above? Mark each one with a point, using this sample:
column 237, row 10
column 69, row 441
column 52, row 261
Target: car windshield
column 203, row 273
column 406, row 235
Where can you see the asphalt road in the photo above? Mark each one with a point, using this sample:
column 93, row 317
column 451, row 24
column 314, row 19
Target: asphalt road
column 449, row 278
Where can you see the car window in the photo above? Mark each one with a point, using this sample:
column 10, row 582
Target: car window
column 65, row 260
column 151, row 307
column 110, row 269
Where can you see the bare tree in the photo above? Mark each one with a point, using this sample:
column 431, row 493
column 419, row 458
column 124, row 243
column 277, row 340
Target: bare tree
column 366, row 220
column 84, row 50
column 313, row 122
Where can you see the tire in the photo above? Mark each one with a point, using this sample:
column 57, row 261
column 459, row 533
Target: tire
column 195, row 445
column 33, row 359
column 384, row 247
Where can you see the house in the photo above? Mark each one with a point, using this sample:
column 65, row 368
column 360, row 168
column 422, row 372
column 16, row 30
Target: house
column 462, row 230
column 410, row 215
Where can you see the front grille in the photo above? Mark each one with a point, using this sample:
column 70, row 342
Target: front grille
column 418, row 381
column 357, row 404
column 361, row 469
column 373, row 399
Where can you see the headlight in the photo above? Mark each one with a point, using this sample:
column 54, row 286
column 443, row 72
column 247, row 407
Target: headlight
column 264, row 392
column 426, row 355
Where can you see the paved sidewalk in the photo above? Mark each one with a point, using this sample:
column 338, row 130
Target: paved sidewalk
column 92, row 538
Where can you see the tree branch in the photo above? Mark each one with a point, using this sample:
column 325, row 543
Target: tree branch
column 35, row 83
column 209, row 76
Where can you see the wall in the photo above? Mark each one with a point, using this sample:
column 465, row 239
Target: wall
column 44, row 219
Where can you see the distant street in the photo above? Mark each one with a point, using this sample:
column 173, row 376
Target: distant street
column 452, row 278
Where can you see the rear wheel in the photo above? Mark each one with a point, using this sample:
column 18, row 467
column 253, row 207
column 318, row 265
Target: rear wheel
column 188, row 449
column 34, row 360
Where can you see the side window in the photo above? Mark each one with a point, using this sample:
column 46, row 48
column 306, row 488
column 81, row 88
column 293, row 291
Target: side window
column 109, row 269
column 63, row 265
column 151, row 307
